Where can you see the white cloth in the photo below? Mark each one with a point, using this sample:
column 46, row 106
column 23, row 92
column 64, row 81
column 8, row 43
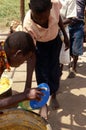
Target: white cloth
column 64, row 55
column 68, row 9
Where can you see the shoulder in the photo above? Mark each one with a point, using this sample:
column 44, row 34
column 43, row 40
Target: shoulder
column 56, row 4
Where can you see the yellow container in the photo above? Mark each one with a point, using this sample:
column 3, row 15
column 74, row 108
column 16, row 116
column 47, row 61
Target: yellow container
column 5, row 85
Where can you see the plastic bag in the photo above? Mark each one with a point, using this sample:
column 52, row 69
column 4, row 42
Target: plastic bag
column 64, row 55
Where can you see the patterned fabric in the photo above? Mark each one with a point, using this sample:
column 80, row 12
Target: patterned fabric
column 3, row 58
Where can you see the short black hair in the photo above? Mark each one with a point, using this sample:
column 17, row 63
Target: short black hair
column 40, row 5
column 19, row 41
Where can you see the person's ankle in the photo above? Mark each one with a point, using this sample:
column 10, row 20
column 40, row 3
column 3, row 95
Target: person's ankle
column 74, row 70
column 53, row 96
column 44, row 112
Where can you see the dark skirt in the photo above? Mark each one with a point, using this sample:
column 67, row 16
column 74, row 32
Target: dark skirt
column 47, row 63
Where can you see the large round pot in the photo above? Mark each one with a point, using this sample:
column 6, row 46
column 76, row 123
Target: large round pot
column 18, row 119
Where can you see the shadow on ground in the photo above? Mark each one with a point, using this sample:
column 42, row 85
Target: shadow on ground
column 72, row 99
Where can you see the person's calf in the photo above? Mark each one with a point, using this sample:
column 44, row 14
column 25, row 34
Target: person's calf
column 75, row 59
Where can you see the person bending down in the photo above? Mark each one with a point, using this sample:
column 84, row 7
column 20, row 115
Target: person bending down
column 17, row 48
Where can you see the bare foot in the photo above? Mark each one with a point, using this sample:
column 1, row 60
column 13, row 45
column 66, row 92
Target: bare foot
column 72, row 74
column 54, row 103
column 44, row 112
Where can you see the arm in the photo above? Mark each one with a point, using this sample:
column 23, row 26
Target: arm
column 30, row 69
column 12, row 100
column 67, row 21
column 66, row 41
column 29, row 94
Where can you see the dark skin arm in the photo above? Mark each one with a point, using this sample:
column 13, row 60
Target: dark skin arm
column 30, row 69
column 29, row 94
column 67, row 21
column 66, row 40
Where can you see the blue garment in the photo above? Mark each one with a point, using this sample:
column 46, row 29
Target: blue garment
column 47, row 63
column 76, row 38
column 76, row 30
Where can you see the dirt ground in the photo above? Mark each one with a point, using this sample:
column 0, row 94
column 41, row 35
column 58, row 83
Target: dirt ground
column 72, row 100
column 71, row 96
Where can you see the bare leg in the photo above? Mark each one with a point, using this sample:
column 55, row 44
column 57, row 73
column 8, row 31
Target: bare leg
column 54, row 103
column 44, row 112
column 75, row 59
column 72, row 71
